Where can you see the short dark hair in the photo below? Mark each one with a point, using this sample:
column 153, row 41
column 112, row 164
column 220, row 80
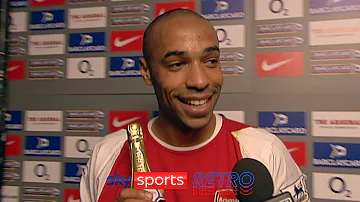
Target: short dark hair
column 148, row 35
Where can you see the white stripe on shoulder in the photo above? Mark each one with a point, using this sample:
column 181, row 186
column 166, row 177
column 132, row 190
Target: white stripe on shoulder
column 253, row 140
column 267, row 148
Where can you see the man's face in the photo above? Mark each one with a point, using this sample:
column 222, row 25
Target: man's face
column 185, row 71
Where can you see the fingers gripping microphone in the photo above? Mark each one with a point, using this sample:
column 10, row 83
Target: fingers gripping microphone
column 255, row 183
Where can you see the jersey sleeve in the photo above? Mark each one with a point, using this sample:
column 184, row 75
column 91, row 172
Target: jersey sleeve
column 87, row 182
column 271, row 152
column 286, row 175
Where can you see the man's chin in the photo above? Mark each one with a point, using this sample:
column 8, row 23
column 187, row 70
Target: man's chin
column 197, row 123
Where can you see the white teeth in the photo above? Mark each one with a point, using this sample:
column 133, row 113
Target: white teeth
column 197, row 102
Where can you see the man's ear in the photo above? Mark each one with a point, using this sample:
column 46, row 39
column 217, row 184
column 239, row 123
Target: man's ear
column 145, row 71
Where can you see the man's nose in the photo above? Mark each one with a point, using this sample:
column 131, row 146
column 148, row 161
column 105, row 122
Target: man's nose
column 197, row 77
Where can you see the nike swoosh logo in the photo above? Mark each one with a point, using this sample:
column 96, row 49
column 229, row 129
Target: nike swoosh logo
column 266, row 67
column 13, row 68
column 119, row 124
column 292, row 149
column 71, row 199
column 10, row 143
column 118, row 43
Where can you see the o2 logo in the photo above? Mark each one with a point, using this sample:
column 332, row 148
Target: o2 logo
column 278, row 7
column 41, row 171
column 83, row 146
column 339, row 190
column 246, row 182
column 223, row 36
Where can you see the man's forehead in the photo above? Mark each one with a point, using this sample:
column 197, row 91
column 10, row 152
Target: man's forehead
column 177, row 25
column 188, row 35
column 172, row 36
column 185, row 52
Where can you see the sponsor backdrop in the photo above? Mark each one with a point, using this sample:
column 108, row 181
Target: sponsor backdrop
column 291, row 67
column 4, row 12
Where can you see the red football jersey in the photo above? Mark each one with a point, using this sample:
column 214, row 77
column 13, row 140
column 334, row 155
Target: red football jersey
column 230, row 142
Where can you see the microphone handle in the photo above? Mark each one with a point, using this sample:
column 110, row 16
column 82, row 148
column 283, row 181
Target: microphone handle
column 284, row 197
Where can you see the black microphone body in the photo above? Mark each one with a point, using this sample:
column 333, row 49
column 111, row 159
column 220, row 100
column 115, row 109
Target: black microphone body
column 259, row 187
column 284, row 197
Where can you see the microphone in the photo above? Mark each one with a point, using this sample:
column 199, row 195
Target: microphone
column 255, row 184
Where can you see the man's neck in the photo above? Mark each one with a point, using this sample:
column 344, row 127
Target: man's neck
column 172, row 135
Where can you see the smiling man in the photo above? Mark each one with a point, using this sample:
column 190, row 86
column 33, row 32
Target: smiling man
column 181, row 61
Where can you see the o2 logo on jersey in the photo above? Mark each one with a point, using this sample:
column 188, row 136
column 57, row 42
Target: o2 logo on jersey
column 246, row 182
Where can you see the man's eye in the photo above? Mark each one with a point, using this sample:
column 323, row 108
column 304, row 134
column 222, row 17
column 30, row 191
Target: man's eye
column 176, row 65
column 213, row 62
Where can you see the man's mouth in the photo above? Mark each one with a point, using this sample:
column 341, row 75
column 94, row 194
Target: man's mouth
column 195, row 102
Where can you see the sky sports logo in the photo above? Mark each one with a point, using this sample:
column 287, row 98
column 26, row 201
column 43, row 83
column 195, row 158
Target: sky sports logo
column 47, row 20
column 204, row 183
column 87, row 42
column 283, row 123
column 151, row 180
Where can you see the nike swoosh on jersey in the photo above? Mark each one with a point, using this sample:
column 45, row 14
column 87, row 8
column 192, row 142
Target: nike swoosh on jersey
column 266, row 67
column 120, row 43
column 12, row 68
column 71, row 199
column 10, row 143
column 116, row 123
column 292, row 149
